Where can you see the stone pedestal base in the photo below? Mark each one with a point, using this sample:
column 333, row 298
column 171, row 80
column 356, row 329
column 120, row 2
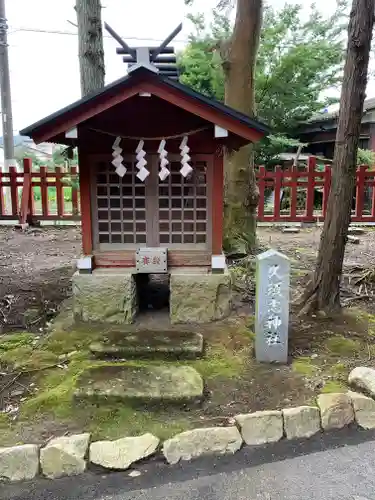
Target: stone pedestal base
column 199, row 298
column 105, row 296
column 110, row 296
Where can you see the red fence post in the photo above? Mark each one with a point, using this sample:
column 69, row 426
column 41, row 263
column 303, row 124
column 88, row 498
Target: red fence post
column 311, row 167
column 13, row 190
column 26, row 191
column 277, row 197
column 59, row 192
column 73, row 173
column 31, row 207
column 326, row 189
column 2, row 203
column 293, row 192
column 360, row 191
column 44, row 191
column 373, row 195
column 261, row 186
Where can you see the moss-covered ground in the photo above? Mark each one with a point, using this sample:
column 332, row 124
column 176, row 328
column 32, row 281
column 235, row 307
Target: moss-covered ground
column 322, row 353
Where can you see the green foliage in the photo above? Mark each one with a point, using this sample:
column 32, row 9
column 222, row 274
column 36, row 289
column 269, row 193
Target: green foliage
column 297, row 61
column 15, row 341
column 366, row 157
column 267, row 150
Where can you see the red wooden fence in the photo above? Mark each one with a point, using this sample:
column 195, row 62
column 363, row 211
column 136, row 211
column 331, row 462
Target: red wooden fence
column 39, row 194
column 297, row 195
column 301, row 188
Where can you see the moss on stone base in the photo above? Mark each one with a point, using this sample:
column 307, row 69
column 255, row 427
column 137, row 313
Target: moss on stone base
column 105, row 297
column 199, row 298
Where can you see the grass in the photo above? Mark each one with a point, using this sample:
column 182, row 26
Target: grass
column 304, row 366
column 54, row 399
column 343, row 346
column 332, row 386
column 228, row 361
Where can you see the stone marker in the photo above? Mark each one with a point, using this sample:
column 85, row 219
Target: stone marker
column 261, row 427
column 364, row 410
column 120, row 454
column 364, row 378
column 19, row 463
column 301, row 422
column 336, row 410
column 192, row 444
column 64, row 456
column 272, row 307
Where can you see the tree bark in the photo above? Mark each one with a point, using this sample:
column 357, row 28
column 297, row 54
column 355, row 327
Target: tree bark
column 91, row 52
column 239, row 58
column 323, row 292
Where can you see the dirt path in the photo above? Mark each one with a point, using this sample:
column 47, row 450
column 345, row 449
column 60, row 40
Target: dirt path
column 35, row 272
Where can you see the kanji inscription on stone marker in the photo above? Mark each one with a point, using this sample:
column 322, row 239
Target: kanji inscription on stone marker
column 272, row 307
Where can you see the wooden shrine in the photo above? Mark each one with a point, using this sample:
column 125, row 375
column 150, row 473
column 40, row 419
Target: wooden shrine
column 151, row 154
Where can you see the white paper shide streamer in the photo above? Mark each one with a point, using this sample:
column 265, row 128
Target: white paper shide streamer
column 117, row 158
column 163, row 153
column 141, row 161
column 185, row 158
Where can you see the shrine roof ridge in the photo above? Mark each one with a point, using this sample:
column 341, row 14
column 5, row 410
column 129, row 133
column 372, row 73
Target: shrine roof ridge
column 126, row 81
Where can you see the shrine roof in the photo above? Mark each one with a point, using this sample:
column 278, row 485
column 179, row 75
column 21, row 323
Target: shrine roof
column 51, row 127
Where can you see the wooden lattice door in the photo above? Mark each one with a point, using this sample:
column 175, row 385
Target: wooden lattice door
column 129, row 213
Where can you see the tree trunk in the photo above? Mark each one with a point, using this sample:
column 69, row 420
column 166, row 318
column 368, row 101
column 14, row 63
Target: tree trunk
column 323, row 292
column 91, row 52
column 239, row 58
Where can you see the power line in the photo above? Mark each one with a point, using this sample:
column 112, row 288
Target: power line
column 63, row 32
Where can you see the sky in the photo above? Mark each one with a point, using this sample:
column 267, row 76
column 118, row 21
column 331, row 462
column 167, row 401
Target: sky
column 44, row 66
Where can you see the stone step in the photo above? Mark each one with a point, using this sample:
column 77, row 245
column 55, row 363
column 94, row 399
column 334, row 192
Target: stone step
column 140, row 385
column 149, row 344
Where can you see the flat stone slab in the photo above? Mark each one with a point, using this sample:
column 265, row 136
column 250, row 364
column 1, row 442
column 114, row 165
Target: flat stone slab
column 141, row 384
column 261, row 427
column 120, row 454
column 192, row 444
column 170, row 344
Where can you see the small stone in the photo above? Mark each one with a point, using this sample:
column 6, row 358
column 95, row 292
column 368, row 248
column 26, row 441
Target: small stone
column 363, row 378
column 135, row 473
column 198, row 442
column 65, row 456
column 364, row 410
column 121, row 454
column 301, row 422
column 261, row 427
column 353, row 239
column 19, row 463
column 336, row 410
column 314, row 356
column 356, row 230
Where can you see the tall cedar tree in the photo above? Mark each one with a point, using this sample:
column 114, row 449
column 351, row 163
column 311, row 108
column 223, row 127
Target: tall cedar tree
column 90, row 40
column 239, row 58
column 323, row 292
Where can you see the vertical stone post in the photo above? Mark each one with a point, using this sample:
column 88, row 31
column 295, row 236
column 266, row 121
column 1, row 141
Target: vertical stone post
column 272, row 307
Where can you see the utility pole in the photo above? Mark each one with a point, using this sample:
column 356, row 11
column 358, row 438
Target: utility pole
column 6, row 103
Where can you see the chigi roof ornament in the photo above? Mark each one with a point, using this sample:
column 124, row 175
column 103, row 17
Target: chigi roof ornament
column 161, row 59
